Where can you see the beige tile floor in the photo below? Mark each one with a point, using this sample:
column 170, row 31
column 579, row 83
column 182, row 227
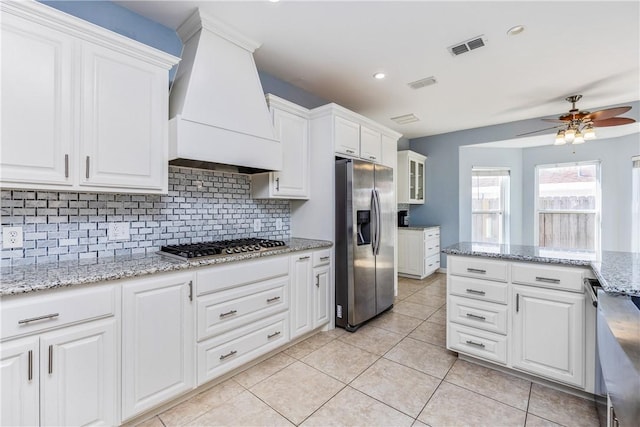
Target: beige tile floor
column 394, row 371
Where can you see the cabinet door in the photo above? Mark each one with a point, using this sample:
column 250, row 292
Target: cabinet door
column 301, row 297
column 346, row 137
column 293, row 132
column 157, row 341
column 389, row 152
column 79, row 375
column 123, row 121
column 322, row 281
column 370, row 145
column 19, row 376
column 548, row 336
column 37, row 128
column 411, row 252
column 420, row 183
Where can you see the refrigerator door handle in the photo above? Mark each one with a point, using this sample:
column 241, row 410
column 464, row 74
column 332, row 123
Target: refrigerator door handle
column 374, row 222
column 378, row 222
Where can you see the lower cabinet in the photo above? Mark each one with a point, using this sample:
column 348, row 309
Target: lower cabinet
column 548, row 333
column 20, row 382
column 157, row 341
column 418, row 251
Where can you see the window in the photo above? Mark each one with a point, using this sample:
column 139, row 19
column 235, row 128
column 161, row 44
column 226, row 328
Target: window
column 490, row 205
column 568, row 205
column 635, row 204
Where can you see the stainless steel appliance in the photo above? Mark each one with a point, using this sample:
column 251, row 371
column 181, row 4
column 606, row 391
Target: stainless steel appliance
column 220, row 248
column 365, row 226
column 403, row 218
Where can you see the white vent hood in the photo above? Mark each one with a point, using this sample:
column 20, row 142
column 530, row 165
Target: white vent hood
column 219, row 116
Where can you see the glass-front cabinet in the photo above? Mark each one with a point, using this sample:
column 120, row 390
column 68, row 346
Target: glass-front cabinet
column 411, row 177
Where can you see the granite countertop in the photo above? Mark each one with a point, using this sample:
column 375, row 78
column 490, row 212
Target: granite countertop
column 418, row 227
column 618, row 272
column 24, row 279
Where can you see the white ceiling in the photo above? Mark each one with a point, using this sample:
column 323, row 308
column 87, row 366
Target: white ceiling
column 332, row 49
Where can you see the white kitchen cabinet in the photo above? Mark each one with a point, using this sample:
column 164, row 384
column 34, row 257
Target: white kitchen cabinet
column 390, row 153
column 322, row 274
column 370, row 145
column 418, row 251
column 548, row 334
column 20, row 381
column 302, row 303
column 83, row 108
column 157, row 341
column 60, row 358
column 291, row 124
column 346, row 135
column 411, row 177
column 356, row 138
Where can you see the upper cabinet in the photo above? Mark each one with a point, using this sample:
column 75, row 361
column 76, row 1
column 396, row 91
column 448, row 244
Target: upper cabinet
column 411, row 177
column 291, row 124
column 83, row 108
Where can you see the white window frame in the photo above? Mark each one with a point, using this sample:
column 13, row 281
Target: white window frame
column 635, row 204
column 597, row 211
column 504, row 235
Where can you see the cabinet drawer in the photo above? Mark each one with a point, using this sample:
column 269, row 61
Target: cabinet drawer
column 222, row 311
column 432, row 233
column 478, row 314
column 228, row 351
column 478, row 343
column 478, row 267
column 431, row 247
column 431, row 264
column 566, row 278
column 479, row 289
column 27, row 314
column 223, row 277
column 322, row 257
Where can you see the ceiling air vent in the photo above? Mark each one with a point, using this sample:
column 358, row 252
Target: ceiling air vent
column 423, row 82
column 405, row 119
column 468, row 45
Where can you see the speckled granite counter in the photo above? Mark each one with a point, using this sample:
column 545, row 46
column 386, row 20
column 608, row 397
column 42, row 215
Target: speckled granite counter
column 418, row 227
column 618, row 272
column 23, row 279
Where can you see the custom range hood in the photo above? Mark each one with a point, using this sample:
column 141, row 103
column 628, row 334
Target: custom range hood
column 219, row 116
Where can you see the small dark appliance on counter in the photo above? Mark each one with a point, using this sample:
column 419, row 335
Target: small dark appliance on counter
column 223, row 247
column 403, row 218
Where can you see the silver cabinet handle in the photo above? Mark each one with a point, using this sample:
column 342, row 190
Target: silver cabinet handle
column 476, row 270
column 324, row 258
column 228, row 313
column 273, row 299
column 66, row 166
column 231, row 353
column 302, row 258
column 477, row 344
column 190, row 290
column 517, row 303
column 88, row 161
column 547, row 280
column 372, row 157
column 50, row 359
column 30, row 368
column 275, row 334
column 277, row 184
column 475, row 316
column 473, row 291
column 350, row 151
column 35, row 319
column 318, row 280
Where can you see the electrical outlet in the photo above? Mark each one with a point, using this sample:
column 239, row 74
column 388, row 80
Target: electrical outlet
column 12, row 237
column 278, row 223
column 257, row 225
column 118, row 231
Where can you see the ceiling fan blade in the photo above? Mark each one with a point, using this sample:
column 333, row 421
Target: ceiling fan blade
column 556, row 120
column 540, row 130
column 607, row 114
column 613, row 121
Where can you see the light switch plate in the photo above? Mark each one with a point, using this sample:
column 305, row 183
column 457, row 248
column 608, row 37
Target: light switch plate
column 12, row 237
column 118, row 231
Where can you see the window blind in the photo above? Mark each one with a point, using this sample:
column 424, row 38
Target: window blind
column 490, row 172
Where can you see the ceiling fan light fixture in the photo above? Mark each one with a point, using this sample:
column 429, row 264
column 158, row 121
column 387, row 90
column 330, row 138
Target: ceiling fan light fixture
column 589, row 132
column 578, row 139
column 570, row 135
column 560, row 138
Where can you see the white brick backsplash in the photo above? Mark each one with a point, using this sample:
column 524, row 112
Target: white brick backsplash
column 200, row 206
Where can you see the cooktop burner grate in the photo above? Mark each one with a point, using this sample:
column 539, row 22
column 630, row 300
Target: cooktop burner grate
column 222, row 247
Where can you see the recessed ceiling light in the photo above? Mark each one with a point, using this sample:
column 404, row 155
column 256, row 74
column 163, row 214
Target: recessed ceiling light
column 379, row 76
column 514, row 31
column 274, row 1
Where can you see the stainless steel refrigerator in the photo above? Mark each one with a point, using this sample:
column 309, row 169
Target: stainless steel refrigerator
column 365, row 225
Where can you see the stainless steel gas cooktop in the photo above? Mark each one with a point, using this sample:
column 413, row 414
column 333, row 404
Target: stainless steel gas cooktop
column 223, row 247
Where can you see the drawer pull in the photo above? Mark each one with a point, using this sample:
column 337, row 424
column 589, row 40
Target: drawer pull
column 324, row 258
column 372, row 157
column 476, row 270
column 547, row 280
column 273, row 299
column 231, row 353
column 473, row 291
column 30, row 368
column 475, row 316
column 228, row 313
column 477, row 344
column 88, row 161
column 50, row 359
column 350, row 151
column 275, row 334
column 35, row 319
column 302, row 258
column 66, row 166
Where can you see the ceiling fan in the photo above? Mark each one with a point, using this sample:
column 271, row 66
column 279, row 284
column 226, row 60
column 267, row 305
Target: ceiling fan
column 577, row 126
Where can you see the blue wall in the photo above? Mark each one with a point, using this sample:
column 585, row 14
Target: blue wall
column 290, row 92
